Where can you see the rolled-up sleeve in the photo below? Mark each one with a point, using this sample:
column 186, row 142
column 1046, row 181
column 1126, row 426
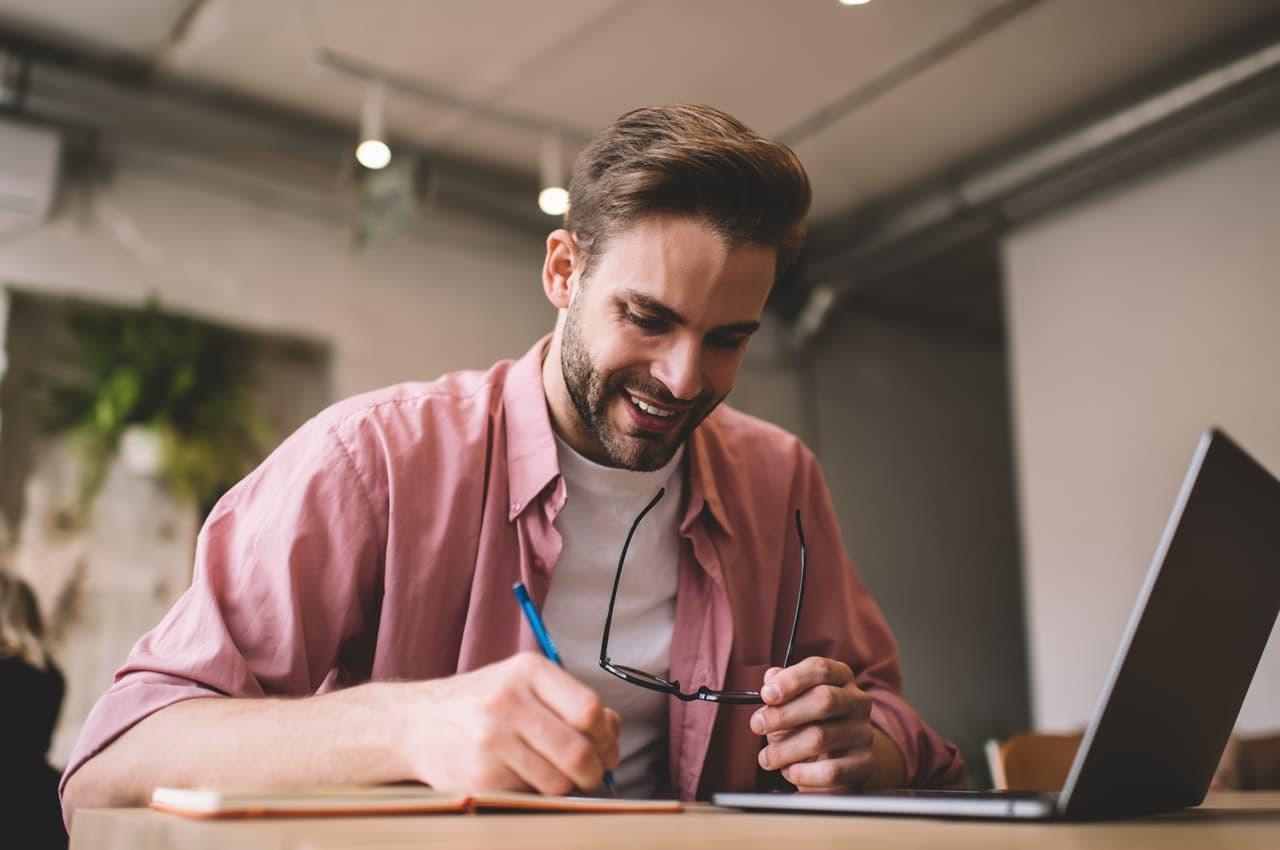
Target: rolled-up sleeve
column 842, row 621
column 285, row 574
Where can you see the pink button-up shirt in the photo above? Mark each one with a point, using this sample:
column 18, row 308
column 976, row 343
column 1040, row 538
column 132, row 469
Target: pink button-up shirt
column 381, row 541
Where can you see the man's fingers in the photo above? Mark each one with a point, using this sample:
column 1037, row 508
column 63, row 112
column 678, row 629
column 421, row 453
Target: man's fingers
column 813, row 741
column 573, row 730
column 572, row 751
column 574, row 702
column 522, row 758
column 840, row 772
column 787, row 684
column 822, row 702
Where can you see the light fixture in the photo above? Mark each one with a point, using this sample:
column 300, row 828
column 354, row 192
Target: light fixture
column 854, row 2
column 373, row 152
column 554, row 198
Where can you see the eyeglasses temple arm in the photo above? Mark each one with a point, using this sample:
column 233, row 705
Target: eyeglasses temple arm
column 804, row 569
column 617, row 577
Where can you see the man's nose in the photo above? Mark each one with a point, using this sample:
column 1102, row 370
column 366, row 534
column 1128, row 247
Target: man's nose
column 680, row 369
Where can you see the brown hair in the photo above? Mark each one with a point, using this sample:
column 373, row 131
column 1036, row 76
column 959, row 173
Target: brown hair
column 692, row 160
column 21, row 629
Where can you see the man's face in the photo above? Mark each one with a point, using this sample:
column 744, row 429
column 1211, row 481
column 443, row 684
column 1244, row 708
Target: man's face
column 654, row 337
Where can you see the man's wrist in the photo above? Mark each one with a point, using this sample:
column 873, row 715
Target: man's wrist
column 376, row 719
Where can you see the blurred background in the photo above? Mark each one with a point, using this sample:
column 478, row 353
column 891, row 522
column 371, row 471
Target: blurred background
column 1044, row 257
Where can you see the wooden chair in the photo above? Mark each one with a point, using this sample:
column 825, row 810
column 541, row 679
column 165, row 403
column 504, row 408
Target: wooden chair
column 1032, row 761
column 1040, row 761
column 1250, row 763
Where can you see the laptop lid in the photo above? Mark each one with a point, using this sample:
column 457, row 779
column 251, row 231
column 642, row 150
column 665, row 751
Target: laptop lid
column 1191, row 647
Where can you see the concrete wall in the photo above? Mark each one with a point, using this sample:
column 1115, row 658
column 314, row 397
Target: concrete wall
column 912, row 430
column 1138, row 319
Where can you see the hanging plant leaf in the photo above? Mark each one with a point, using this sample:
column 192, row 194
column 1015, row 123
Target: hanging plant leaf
column 190, row 380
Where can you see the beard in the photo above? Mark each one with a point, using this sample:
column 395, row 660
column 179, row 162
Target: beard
column 592, row 393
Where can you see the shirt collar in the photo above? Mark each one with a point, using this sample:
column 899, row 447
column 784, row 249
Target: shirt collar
column 532, row 463
column 531, row 444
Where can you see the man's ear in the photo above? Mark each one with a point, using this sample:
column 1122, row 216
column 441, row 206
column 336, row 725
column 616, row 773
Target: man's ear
column 558, row 267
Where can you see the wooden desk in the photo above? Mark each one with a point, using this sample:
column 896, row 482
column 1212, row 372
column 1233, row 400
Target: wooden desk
column 1237, row 820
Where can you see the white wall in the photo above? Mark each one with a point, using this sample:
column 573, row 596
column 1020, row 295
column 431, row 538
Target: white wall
column 1138, row 318
column 441, row 297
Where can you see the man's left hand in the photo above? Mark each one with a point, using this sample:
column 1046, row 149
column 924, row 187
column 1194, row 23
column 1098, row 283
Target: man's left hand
column 818, row 723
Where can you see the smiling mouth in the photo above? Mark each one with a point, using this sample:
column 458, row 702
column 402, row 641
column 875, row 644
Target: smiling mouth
column 653, row 420
column 652, row 409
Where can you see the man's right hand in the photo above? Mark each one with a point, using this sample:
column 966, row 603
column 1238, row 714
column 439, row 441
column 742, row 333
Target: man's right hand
column 520, row 724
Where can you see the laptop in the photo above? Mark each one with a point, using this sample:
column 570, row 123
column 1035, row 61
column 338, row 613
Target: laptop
column 1185, row 662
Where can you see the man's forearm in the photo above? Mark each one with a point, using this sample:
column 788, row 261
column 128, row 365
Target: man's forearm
column 344, row 737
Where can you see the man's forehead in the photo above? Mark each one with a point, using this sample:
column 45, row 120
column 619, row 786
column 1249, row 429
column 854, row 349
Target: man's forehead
column 685, row 266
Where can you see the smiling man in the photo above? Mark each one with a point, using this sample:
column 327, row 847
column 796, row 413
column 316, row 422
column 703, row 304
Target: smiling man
column 351, row 618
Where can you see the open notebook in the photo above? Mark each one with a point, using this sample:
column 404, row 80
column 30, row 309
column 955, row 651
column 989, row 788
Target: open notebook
column 379, row 800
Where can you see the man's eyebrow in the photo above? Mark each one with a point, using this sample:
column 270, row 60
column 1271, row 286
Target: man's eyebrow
column 661, row 311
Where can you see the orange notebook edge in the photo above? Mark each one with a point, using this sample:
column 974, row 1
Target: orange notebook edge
column 473, row 804
column 208, row 803
column 461, row 805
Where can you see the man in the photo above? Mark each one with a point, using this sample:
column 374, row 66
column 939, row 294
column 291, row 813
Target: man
column 351, row 617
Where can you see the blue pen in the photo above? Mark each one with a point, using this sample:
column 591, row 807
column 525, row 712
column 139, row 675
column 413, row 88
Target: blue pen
column 548, row 648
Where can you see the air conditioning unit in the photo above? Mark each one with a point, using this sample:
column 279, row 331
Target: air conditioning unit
column 29, row 157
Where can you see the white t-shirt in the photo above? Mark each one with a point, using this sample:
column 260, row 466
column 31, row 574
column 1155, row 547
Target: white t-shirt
column 600, row 504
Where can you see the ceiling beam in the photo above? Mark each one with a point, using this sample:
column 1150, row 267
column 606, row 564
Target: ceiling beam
column 877, row 244
column 95, row 96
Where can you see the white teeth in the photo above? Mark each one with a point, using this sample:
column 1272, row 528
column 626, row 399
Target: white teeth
column 650, row 409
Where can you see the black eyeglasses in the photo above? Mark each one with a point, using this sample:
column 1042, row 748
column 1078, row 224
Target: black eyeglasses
column 656, row 683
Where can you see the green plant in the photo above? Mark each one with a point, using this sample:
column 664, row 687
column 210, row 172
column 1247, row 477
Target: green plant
column 188, row 379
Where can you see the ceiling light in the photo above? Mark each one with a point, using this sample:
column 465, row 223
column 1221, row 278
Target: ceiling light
column 373, row 152
column 554, row 198
column 854, row 2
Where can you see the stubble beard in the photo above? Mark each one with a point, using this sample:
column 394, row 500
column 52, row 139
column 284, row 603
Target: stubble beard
column 592, row 393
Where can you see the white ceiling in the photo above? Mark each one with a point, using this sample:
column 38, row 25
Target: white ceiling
column 580, row 63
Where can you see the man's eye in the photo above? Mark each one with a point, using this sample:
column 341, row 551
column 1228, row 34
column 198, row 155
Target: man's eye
column 728, row 342
column 647, row 323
